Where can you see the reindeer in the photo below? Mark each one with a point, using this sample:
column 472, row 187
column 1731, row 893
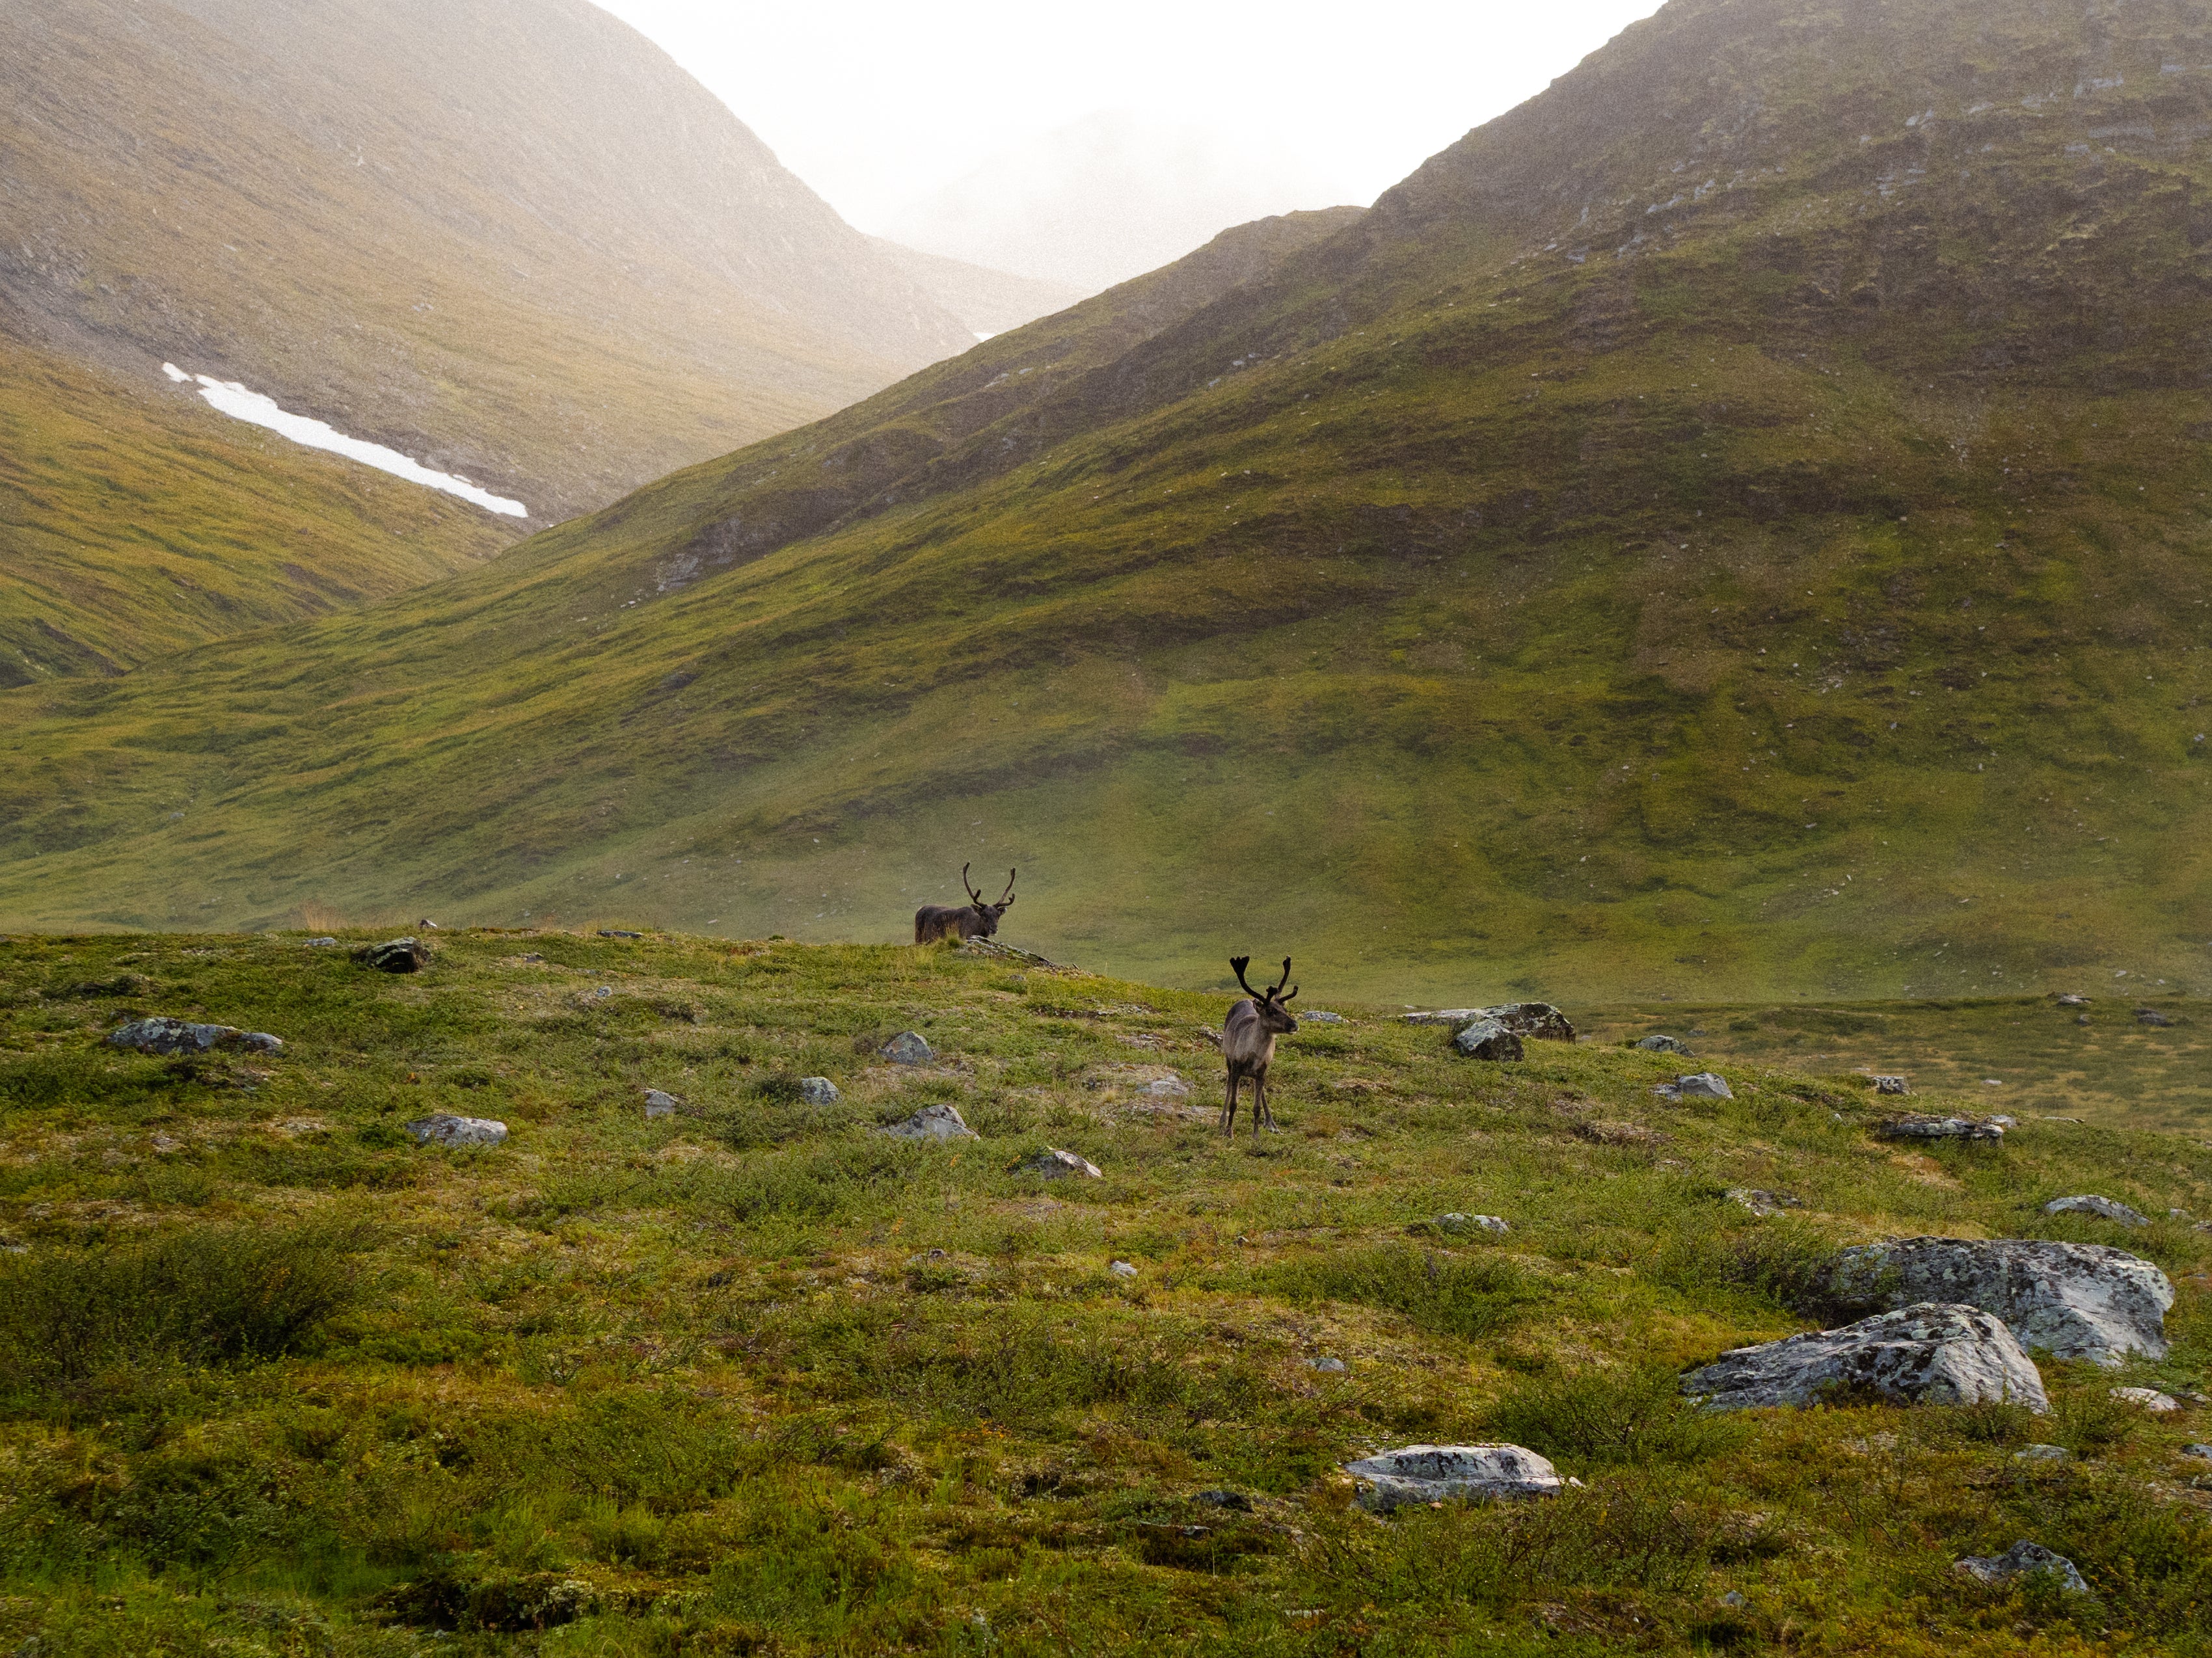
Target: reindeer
column 1248, row 1042
column 972, row 919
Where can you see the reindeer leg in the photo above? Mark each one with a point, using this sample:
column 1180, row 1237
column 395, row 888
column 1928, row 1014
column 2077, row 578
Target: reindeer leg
column 1260, row 1105
column 1229, row 1113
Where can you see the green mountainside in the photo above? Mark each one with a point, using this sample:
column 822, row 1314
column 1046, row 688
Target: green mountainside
column 514, row 242
column 1733, row 526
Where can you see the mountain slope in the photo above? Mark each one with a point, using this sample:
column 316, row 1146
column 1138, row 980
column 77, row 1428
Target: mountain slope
column 989, row 301
column 1720, row 529
column 514, row 243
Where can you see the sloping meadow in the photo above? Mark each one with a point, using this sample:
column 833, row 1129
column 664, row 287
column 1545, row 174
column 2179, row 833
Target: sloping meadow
column 754, row 1377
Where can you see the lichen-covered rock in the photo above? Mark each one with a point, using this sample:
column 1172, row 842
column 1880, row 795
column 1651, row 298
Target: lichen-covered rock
column 2103, row 1208
column 1430, row 1474
column 1703, row 1086
column 2022, row 1559
column 1890, row 1085
column 163, row 1036
column 1459, row 1222
column 2074, row 1300
column 445, row 1129
column 2043, row 1453
column 1661, row 1044
column 933, row 1122
column 2149, row 1398
column 1052, row 1164
column 1536, row 1021
column 908, row 1048
column 659, row 1105
column 394, row 956
column 1321, row 1016
column 1939, row 1128
column 817, row 1090
column 1766, row 1204
column 1941, row 1353
column 1487, row 1039
column 1328, row 1364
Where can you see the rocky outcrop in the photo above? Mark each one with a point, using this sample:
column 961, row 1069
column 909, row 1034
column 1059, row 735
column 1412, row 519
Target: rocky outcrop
column 1938, row 1128
column 933, row 1122
column 2103, row 1208
column 445, row 1129
column 1661, row 1044
column 908, row 1048
column 2073, row 1300
column 1487, row 1039
column 2022, row 1559
column 1936, row 1353
column 1535, row 1021
column 1431, row 1474
column 162, row 1036
column 394, row 956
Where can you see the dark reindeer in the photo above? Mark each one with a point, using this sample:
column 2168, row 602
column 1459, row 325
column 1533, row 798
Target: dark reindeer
column 973, row 920
column 1248, row 1042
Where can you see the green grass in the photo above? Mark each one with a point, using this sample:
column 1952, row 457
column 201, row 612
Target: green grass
column 755, row 1379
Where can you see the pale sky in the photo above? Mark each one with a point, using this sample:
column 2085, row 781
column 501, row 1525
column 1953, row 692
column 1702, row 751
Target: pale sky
column 887, row 110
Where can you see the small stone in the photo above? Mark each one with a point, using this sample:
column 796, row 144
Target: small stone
column 2202, row 1452
column 1942, row 1353
column 2004, row 1122
column 1123, row 1269
column 1704, row 1086
column 1175, row 1088
column 2042, row 1453
column 2104, row 1208
column 617, row 933
column 1327, row 1365
column 933, row 1122
column 2022, row 1559
column 1052, row 1163
column 1459, row 1222
column 394, row 956
column 1890, row 1085
column 1433, row 1473
column 2151, row 1016
column 165, row 1036
column 907, row 1049
column 165, row 1144
column 2070, row 999
column 1318, row 1015
column 448, row 1130
column 2149, row 1398
column 1764, row 1204
column 817, row 1090
column 1735, row 1600
column 322, row 944
column 1660, row 1044
column 1222, row 1499
column 1451, row 1016
column 531, row 956
column 658, row 1104
column 1488, row 1039
column 1938, row 1128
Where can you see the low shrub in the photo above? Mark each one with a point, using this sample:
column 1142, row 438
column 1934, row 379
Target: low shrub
column 1621, row 1414
column 1438, row 1291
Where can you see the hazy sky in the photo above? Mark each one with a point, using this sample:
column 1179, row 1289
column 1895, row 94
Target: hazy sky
column 884, row 108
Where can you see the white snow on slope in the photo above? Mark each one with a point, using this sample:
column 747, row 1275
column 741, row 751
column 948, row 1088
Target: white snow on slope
column 234, row 400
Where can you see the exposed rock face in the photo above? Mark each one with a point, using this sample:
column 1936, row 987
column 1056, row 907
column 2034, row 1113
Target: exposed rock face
column 1943, row 1353
column 448, row 1130
column 907, row 1048
column 2022, row 1559
column 1488, row 1039
column 1052, row 1164
column 1703, row 1086
column 160, row 1035
column 2104, row 1208
column 2074, row 1300
column 1660, row 1044
column 1939, row 1128
column 1430, row 1473
column 817, row 1090
column 933, row 1122
column 394, row 956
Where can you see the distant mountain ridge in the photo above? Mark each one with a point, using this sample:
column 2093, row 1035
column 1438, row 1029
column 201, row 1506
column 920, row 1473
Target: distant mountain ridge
column 1739, row 523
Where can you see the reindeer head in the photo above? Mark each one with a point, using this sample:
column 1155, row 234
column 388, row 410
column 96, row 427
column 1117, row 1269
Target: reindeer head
column 986, row 915
column 1274, row 1016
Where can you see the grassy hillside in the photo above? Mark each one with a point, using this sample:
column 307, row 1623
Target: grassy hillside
column 1722, row 530
column 752, row 1378
column 131, row 528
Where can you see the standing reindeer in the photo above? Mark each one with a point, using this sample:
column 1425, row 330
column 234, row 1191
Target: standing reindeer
column 1248, row 1042
column 974, row 919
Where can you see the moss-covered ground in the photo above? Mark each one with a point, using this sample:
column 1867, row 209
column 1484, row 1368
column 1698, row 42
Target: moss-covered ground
column 755, row 1379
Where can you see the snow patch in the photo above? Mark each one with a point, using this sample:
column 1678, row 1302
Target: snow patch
column 256, row 410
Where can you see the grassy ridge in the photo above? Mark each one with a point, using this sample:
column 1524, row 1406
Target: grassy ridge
column 752, row 1378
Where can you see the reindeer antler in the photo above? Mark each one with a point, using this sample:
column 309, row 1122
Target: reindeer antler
column 1006, row 898
column 1239, row 964
column 1284, row 980
column 974, row 896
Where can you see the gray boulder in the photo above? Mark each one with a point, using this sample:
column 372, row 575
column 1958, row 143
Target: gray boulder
column 1451, row 1016
column 1488, row 1039
column 2201, row 1452
column 1321, row 1016
column 322, row 944
column 658, row 1104
column 2074, row 1300
column 1459, row 1222
column 2103, row 1208
column 817, row 1090
column 182, row 1036
column 907, row 1048
column 1939, row 1128
column 1890, row 1085
column 1052, row 1164
column 394, row 956
column 2151, row 1016
column 1703, row 1086
column 1328, row 1365
column 933, row 1122
column 1659, row 1044
column 1430, row 1474
column 1536, row 1021
column 2149, row 1398
column 446, row 1129
column 1944, row 1354
column 2044, row 1453
column 2022, row 1559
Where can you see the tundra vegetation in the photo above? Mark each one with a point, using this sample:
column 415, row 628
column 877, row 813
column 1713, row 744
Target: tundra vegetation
column 752, row 1378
